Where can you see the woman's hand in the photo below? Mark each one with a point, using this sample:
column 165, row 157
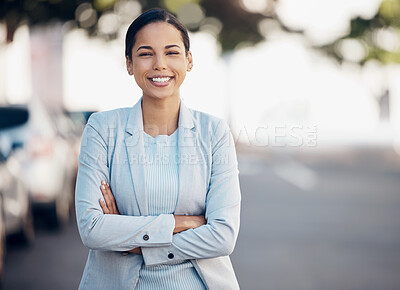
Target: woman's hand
column 185, row 222
column 107, row 204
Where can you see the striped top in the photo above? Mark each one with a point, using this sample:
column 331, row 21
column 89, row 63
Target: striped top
column 162, row 196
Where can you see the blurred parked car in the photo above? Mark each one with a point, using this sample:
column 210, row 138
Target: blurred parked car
column 2, row 241
column 49, row 169
column 17, row 209
column 79, row 120
column 70, row 125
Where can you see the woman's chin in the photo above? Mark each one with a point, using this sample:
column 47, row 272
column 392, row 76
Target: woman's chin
column 161, row 96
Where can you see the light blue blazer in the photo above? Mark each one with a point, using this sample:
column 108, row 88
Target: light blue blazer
column 113, row 150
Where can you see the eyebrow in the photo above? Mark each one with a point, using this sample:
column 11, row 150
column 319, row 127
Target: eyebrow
column 172, row 45
column 149, row 47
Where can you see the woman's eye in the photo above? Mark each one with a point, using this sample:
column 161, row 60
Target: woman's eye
column 172, row 52
column 145, row 54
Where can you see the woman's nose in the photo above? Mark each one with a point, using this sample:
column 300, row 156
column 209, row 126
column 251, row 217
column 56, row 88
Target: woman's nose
column 160, row 63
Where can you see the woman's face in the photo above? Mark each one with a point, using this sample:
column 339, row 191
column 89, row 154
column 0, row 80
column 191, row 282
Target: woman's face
column 159, row 62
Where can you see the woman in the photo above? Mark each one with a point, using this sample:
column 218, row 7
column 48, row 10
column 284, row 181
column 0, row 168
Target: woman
column 157, row 195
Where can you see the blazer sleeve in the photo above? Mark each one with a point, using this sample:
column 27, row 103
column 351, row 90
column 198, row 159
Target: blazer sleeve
column 101, row 231
column 218, row 237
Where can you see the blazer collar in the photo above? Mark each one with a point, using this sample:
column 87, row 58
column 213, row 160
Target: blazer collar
column 135, row 118
column 185, row 117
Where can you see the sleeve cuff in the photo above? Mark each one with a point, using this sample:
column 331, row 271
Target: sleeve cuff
column 160, row 235
column 162, row 255
column 159, row 255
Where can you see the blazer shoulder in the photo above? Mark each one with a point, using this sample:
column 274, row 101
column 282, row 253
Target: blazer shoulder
column 209, row 124
column 105, row 120
column 205, row 119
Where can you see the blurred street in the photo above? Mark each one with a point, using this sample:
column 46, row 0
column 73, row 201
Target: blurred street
column 54, row 261
column 326, row 222
column 310, row 90
column 341, row 234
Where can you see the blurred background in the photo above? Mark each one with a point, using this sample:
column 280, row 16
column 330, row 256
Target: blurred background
column 310, row 89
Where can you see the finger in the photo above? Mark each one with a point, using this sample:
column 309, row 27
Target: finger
column 109, row 192
column 104, row 206
column 114, row 204
column 103, row 188
column 106, row 198
column 109, row 198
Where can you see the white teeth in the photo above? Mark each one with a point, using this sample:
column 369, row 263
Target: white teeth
column 161, row 80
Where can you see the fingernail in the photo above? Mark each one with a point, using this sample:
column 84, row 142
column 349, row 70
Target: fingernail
column 103, row 187
column 103, row 182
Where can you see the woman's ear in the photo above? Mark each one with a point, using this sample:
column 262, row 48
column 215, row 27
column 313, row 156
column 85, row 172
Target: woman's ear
column 129, row 65
column 190, row 61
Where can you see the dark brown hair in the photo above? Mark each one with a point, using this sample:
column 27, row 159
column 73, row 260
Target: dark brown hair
column 151, row 16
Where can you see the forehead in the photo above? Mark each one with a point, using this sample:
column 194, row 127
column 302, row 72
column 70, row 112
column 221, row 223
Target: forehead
column 158, row 33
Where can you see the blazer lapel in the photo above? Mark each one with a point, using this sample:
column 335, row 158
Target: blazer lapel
column 135, row 149
column 187, row 143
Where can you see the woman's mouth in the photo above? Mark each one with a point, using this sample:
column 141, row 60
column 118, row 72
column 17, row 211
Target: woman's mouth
column 160, row 81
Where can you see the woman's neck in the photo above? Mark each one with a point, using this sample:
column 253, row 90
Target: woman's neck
column 160, row 117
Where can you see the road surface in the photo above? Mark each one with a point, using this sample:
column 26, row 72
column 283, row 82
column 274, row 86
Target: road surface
column 320, row 223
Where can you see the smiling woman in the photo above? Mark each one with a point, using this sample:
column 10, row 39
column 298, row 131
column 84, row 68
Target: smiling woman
column 163, row 64
column 155, row 204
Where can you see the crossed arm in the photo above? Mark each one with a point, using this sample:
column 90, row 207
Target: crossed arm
column 102, row 229
column 182, row 222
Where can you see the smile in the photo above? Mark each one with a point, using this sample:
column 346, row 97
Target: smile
column 161, row 80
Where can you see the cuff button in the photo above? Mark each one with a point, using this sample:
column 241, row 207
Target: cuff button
column 170, row 256
column 146, row 237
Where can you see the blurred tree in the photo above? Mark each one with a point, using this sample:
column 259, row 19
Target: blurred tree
column 239, row 25
column 231, row 21
column 376, row 38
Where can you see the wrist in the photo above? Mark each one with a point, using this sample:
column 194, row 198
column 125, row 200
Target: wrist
column 182, row 223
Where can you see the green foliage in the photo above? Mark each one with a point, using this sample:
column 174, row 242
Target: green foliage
column 389, row 12
column 380, row 35
column 174, row 5
column 238, row 25
column 103, row 5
